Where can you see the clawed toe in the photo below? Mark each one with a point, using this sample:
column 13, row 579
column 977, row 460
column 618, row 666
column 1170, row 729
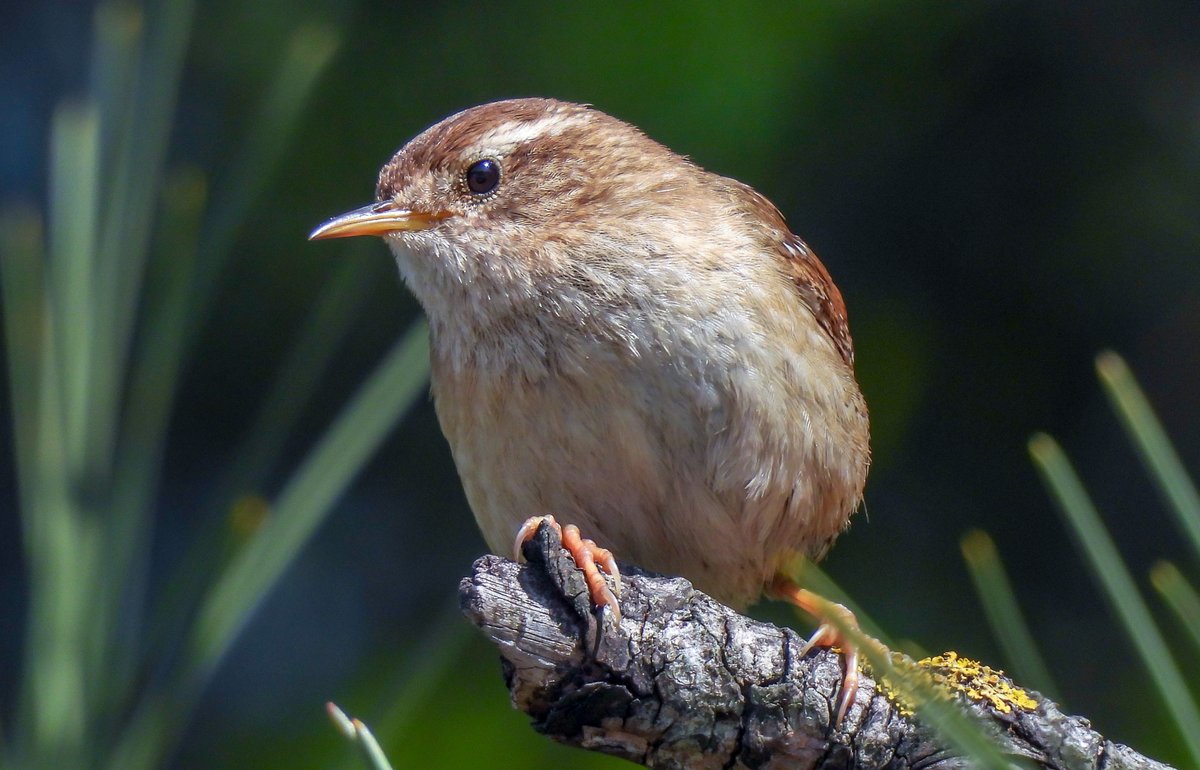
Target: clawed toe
column 826, row 635
column 588, row 556
column 527, row 531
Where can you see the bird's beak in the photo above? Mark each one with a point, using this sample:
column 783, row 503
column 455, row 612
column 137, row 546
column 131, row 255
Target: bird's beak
column 376, row 219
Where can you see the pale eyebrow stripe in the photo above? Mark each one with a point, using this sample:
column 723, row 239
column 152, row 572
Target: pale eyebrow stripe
column 511, row 134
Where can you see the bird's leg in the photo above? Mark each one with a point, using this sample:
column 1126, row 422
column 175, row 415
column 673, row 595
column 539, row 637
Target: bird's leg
column 827, row 633
column 589, row 557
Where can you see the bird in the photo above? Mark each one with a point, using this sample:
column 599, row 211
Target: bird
column 633, row 345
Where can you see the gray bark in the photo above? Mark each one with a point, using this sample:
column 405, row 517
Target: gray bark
column 685, row 682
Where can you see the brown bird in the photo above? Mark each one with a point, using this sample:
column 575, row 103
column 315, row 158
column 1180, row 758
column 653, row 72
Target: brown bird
column 631, row 343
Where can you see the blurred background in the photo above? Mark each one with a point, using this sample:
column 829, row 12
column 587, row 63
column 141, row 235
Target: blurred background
column 1000, row 189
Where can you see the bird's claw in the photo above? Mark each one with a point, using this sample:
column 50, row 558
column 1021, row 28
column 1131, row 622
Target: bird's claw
column 588, row 556
column 826, row 635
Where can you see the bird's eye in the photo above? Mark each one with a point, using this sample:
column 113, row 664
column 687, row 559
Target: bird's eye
column 483, row 176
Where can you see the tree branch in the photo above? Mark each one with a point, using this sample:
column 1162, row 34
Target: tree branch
column 686, row 682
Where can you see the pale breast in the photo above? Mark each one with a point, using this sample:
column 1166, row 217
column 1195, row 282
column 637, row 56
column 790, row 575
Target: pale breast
column 713, row 469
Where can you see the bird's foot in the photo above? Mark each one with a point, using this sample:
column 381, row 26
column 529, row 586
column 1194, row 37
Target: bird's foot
column 827, row 634
column 589, row 557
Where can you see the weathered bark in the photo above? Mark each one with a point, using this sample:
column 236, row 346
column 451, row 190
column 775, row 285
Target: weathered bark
column 686, row 682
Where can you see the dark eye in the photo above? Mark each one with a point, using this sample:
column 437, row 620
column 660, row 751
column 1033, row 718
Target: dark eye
column 483, row 176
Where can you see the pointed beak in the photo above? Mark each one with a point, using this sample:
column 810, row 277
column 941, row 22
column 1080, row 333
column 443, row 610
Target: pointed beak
column 376, row 219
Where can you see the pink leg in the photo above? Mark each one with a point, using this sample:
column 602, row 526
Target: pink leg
column 826, row 635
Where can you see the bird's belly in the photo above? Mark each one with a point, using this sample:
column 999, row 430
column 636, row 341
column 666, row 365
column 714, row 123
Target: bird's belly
column 642, row 472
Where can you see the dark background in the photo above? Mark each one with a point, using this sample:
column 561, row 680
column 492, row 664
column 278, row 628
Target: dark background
column 1001, row 190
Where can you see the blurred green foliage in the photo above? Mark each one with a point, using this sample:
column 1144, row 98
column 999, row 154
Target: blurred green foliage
column 1000, row 190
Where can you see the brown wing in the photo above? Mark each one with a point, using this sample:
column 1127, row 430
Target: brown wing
column 810, row 277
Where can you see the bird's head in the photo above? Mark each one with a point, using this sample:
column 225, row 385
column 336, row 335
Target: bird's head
column 520, row 191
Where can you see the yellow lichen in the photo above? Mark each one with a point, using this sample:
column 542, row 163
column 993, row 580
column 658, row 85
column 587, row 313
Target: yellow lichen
column 977, row 681
column 950, row 673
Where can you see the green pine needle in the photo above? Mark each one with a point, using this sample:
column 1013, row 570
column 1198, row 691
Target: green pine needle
column 1113, row 576
column 1181, row 597
column 309, row 496
column 1154, row 448
column 1004, row 615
